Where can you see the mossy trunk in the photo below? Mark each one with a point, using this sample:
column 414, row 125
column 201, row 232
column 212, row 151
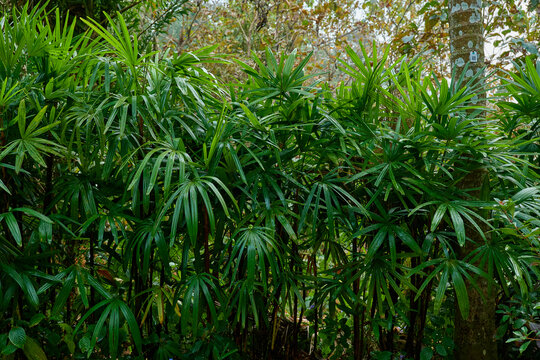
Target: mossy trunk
column 474, row 336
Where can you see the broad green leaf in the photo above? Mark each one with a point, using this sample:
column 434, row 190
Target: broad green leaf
column 33, row 351
column 426, row 354
column 17, row 336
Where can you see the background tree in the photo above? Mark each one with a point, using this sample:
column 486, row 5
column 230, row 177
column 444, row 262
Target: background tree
column 474, row 335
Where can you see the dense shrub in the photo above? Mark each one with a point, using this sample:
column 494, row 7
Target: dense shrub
column 148, row 210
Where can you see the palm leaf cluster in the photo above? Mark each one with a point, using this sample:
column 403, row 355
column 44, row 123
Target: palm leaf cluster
column 149, row 211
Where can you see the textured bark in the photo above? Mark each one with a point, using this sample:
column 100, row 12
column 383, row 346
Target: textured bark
column 474, row 336
column 466, row 35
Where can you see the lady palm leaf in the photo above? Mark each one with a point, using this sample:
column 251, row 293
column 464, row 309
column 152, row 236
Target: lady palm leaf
column 456, row 212
column 21, row 280
column 246, row 300
column 112, row 310
column 7, row 92
column 451, row 271
column 187, row 204
column 387, row 232
column 277, row 79
column 442, row 101
column 114, row 219
column 328, row 195
column 368, row 73
column 69, row 278
column 256, row 252
column 503, row 263
column 9, row 219
column 198, row 292
column 11, row 52
column 161, row 298
column 142, row 244
column 30, row 142
column 165, row 154
column 378, row 278
column 122, row 43
column 77, row 196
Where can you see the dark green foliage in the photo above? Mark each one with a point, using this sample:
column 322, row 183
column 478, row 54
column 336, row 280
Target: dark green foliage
column 148, row 211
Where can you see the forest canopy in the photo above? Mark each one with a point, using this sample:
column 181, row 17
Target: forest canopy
column 269, row 179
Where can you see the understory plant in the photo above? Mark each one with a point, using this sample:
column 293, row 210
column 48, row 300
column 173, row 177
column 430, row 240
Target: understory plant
column 147, row 210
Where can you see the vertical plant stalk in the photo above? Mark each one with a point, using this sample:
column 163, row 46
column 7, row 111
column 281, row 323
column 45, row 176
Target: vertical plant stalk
column 275, row 325
column 316, row 309
column 136, row 277
column 138, row 288
column 206, row 238
column 91, row 265
column 297, row 320
column 418, row 310
column 4, row 204
column 356, row 316
column 418, row 307
column 412, row 331
column 148, row 284
column 159, row 327
column 362, row 325
column 275, row 321
column 47, row 201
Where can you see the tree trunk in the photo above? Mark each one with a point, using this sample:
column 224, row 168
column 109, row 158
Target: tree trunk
column 474, row 336
column 356, row 315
